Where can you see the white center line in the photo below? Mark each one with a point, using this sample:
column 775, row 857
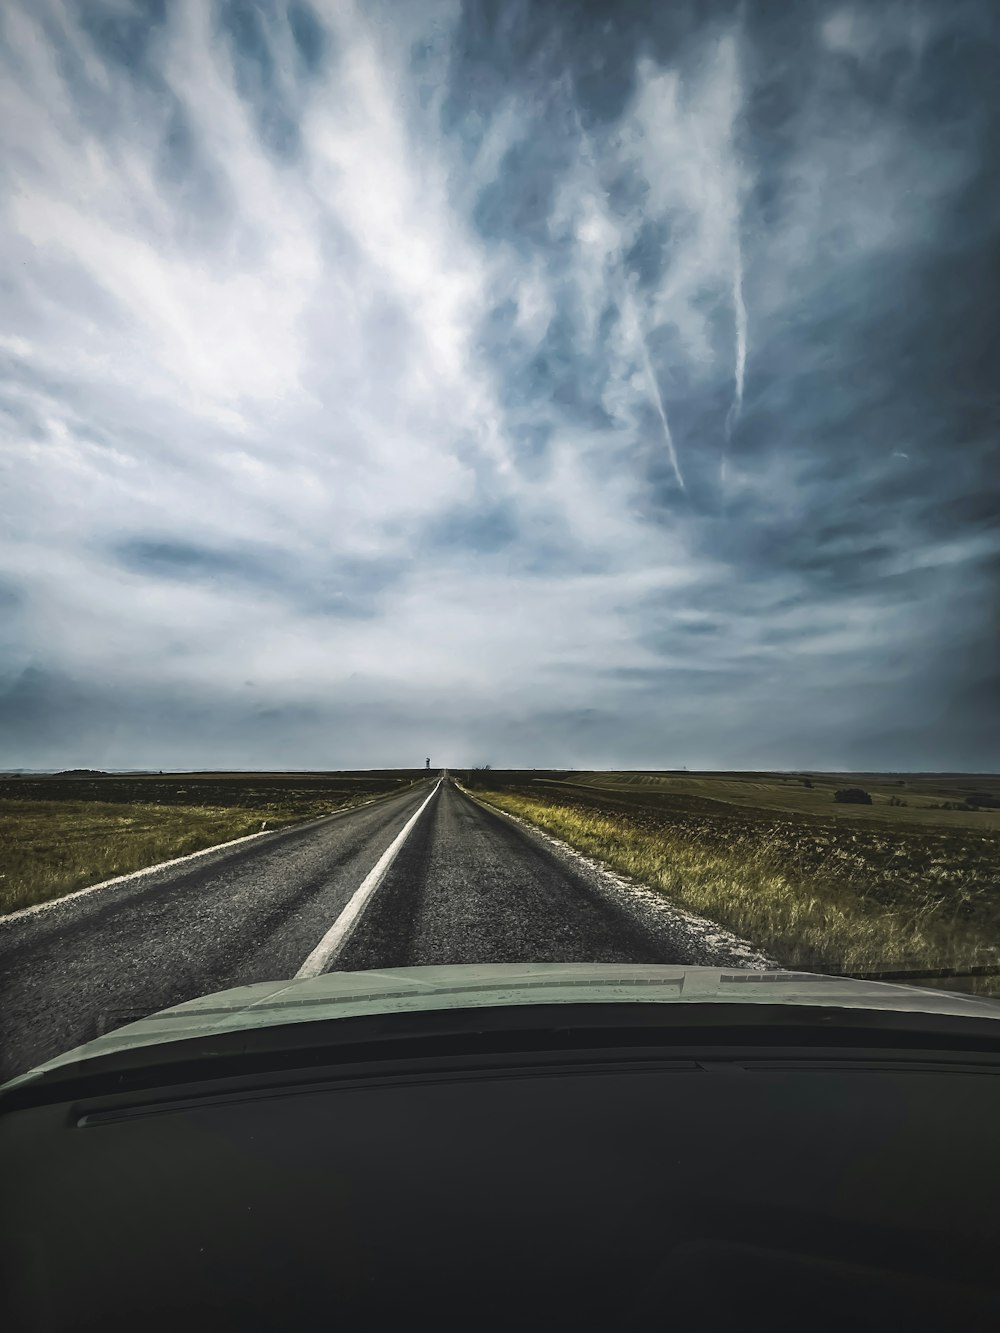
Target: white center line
column 339, row 933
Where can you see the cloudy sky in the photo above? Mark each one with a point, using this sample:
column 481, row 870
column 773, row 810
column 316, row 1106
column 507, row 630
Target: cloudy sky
column 532, row 383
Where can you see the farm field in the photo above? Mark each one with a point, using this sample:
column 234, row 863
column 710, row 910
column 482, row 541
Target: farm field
column 820, row 885
column 919, row 799
column 65, row 832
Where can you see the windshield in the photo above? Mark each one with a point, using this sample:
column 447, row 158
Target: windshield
column 490, row 483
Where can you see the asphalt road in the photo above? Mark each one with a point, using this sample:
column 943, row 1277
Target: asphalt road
column 466, row 885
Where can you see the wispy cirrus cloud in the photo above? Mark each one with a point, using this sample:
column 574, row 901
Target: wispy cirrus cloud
column 486, row 378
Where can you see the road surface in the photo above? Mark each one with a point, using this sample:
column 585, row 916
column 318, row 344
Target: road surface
column 464, row 884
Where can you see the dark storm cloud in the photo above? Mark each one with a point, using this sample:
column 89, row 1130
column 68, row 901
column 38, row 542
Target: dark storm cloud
column 167, row 559
column 591, row 384
column 312, row 40
column 248, row 31
column 482, row 529
column 351, row 588
column 10, row 598
column 124, row 34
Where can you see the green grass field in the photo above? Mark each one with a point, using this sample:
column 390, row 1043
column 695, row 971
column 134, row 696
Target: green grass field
column 61, row 834
column 819, row 885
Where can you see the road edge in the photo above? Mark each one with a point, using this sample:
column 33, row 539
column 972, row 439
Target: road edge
column 640, row 894
column 33, row 909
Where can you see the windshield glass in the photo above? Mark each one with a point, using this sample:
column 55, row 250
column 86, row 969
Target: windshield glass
column 494, row 482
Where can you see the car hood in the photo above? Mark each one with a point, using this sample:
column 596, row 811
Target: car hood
column 398, row 990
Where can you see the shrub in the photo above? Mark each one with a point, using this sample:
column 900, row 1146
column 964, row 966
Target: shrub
column 852, row 796
column 982, row 799
column 807, row 782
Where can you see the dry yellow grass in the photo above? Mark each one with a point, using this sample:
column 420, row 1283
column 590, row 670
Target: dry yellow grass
column 747, row 882
column 48, row 848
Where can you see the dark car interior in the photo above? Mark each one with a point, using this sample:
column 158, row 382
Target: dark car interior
column 623, row 1165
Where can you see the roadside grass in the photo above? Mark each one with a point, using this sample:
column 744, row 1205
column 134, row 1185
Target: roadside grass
column 818, row 895
column 49, row 848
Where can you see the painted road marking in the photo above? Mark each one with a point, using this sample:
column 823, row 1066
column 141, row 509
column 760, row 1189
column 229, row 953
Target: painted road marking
column 341, row 930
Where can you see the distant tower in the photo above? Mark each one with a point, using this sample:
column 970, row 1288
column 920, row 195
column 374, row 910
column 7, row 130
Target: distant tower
column 427, row 765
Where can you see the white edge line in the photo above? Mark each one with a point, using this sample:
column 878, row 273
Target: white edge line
column 49, row 903
column 337, row 936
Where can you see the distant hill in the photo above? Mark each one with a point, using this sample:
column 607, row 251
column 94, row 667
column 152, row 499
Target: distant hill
column 81, row 773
